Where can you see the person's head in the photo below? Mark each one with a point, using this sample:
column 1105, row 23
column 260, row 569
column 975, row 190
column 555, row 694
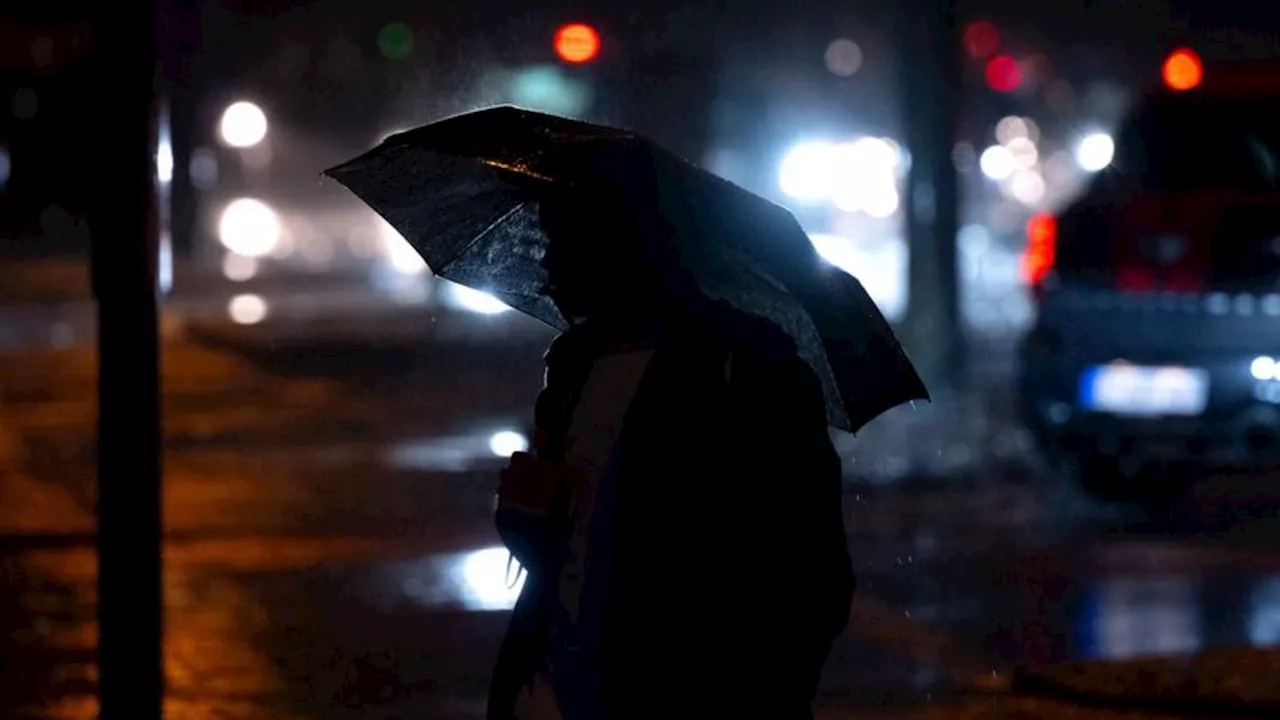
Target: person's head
column 599, row 260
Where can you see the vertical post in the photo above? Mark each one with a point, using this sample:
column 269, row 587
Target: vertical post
column 930, row 72
column 123, row 227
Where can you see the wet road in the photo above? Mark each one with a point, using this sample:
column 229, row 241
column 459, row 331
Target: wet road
column 330, row 554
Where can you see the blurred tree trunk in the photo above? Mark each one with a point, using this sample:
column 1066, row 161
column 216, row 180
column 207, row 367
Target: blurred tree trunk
column 930, row 84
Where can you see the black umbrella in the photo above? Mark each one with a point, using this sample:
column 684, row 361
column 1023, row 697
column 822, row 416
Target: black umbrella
column 464, row 192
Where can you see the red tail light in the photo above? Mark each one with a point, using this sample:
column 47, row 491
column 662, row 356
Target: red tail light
column 1042, row 248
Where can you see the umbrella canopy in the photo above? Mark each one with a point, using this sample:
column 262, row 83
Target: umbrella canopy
column 465, row 193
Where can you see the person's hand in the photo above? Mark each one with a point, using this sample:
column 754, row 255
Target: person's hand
column 529, row 484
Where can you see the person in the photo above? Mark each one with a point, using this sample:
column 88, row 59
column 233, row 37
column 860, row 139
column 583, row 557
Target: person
column 679, row 514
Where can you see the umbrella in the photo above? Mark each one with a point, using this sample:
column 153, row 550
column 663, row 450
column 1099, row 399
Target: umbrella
column 464, row 192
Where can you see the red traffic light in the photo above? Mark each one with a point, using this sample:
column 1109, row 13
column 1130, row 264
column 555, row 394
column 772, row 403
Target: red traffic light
column 1004, row 74
column 577, row 43
column 1183, row 70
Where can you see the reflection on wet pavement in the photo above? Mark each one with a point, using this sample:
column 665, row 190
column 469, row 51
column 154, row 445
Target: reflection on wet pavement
column 362, row 579
column 1121, row 618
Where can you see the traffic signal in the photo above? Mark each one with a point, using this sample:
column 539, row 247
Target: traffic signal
column 577, row 43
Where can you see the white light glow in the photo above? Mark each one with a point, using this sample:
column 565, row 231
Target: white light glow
column 243, row 125
column 238, row 268
column 484, row 580
column 507, row 443
column 843, row 57
column 881, row 267
column 1011, row 128
column 164, row 273
column 1264, row 368
column 882, row 202
column 1024, row 151
column 1028, row 187
column 164, row 162
column 807, row 172
column 398, row 252
column 465, row 298
column 863, row 176
column 1095, row 152
column 997, row 163
column 249, row 227
column 247, row 309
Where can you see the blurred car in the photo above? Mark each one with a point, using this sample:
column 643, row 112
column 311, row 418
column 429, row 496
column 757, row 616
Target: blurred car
column 1157, row 342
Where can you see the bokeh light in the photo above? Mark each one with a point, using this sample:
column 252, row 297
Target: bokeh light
column 249, row 227
column 1024, row 152
column 981, row 39
column 1183, row 70
column 843, row 57
column 395, row 41
column 1003, row 74
column 243, row 125
column 1095, row 151
column 997, row 162
column 806, row 172
column 1013, row 127
column 577, row 43
column 238, row 268
column 203, row 168
column 1027, row 187
column 247, row 309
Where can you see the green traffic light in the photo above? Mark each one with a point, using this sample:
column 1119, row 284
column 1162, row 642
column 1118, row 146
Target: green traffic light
column 395, row 41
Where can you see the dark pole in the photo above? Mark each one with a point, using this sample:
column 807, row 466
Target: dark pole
column 930, row 73
column 123, row 226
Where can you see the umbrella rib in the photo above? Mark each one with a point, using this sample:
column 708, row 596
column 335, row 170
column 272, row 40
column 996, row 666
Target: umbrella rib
column 501, row 219
column 517, row 169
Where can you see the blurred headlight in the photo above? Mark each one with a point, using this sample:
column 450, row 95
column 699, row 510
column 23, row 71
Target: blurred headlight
column 249, row 227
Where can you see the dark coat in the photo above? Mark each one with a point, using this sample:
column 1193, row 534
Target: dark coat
column 730, row 571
